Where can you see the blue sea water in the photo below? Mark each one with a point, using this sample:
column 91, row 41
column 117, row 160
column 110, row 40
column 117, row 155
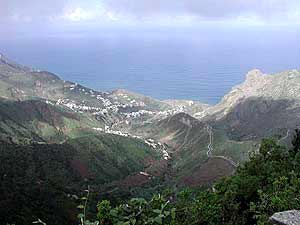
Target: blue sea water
column 200, row 64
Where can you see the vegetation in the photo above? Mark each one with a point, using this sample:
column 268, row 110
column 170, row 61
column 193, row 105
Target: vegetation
column 35, row 120
column 38, row 183
column 44, row 180
column 268, row 183
column 138, row 211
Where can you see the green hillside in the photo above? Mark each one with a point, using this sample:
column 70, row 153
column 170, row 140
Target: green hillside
column 38, row 180
column 38, row 121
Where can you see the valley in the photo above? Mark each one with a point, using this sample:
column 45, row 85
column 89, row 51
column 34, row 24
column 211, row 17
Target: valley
column 122, row 143
column 171, row 127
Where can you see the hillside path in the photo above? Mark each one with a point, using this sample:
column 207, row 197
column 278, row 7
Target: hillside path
column 210, row 148
column 285, row 137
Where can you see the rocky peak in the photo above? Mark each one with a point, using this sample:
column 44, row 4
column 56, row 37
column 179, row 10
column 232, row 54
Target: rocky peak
column 281, row 86
column 284, row 85
column 254, row 75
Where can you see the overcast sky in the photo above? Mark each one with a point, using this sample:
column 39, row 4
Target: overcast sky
column 63, row 13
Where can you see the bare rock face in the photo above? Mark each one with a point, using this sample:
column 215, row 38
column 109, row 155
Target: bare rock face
column 254, row 75
column 291, row 217
column 281, row 86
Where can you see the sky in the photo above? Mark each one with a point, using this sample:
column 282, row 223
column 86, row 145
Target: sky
column 64, row 15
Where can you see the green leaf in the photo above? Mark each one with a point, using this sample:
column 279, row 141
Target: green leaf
column 157, row 211
column 158, row 220
column 80, row 207
column 133, row 221
column 173, row 213
column 114, row 213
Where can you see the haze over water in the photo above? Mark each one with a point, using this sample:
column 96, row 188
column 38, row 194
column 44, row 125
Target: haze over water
column 199, row 64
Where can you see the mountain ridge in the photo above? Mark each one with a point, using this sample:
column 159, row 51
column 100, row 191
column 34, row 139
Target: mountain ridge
column 121, row 142
column 257, row 84
column 172, row 122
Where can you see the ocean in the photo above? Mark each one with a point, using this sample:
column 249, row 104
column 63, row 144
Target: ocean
column 197, row 64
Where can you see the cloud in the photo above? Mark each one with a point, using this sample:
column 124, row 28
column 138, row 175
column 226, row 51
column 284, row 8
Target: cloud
column 34, row 9
column 148, row 11
column 78, row 14
column 206, row 9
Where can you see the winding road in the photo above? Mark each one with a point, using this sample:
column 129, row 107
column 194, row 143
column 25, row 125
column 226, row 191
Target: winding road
column 210, row 147
column 285, row 137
